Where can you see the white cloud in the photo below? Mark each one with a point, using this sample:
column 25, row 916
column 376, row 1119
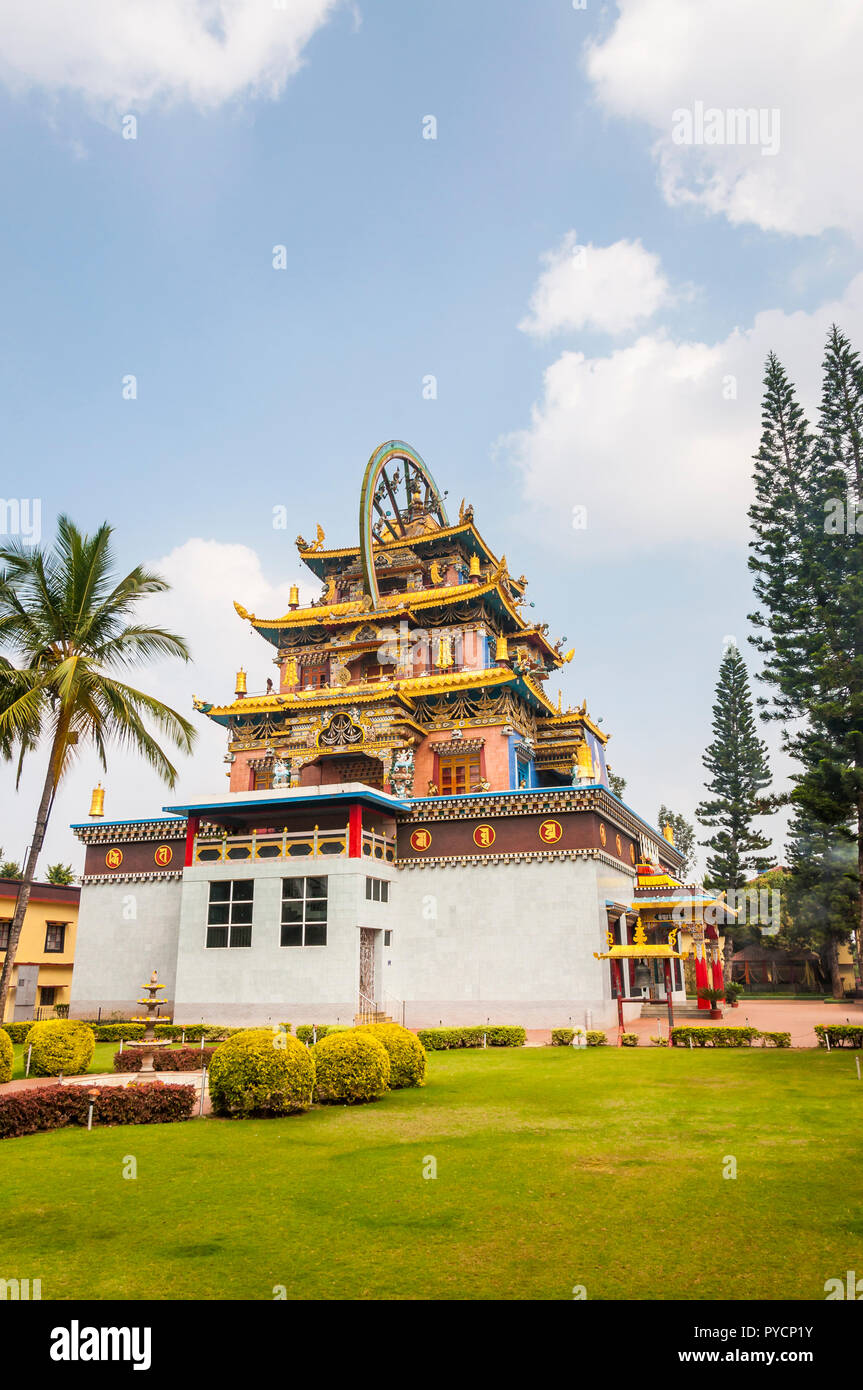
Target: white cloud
column 130, row 53
column 800, row 59
column 656, row 438
column 610, row 288
column 206, row 577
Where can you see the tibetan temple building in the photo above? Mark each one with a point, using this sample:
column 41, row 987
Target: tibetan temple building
column 413, row 826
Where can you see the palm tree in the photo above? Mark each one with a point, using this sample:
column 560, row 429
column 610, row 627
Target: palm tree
column 65, row 616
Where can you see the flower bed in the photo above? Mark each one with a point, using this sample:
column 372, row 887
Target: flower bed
column 169, row 1059
column 55, row 1107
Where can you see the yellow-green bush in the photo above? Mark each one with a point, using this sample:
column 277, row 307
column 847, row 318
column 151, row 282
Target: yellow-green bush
column 261, row 1072
column 61, row 1047
column 406, row 1053
column 350, row 1068
column 7, row 1057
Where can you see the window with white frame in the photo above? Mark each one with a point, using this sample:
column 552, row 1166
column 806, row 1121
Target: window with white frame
column 377, row 890
column 229, row 913
column 304, row 911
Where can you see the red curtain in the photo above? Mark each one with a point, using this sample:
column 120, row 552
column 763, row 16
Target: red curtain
column 718, row 982
column 702, row 980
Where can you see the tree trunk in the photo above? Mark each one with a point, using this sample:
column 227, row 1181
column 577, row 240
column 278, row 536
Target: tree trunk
column 858, row 931
column 29, row 871
column 836, row 987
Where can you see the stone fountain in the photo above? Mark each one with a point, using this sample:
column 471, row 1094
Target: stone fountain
column 149, row 1044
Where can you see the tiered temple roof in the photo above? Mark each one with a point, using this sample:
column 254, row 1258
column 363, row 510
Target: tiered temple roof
column 418, row 631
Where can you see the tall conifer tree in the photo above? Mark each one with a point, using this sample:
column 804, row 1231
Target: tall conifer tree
column 736, row 761
column 807, row 558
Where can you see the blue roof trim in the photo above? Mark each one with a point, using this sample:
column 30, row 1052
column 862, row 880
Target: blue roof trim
column 136, row 820
column 286, row 802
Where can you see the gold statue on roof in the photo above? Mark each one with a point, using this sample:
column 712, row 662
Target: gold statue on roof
column 319, row 539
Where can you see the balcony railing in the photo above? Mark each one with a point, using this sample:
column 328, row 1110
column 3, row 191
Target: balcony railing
column 261, row 846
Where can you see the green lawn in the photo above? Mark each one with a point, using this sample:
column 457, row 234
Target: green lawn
column 555, row 1168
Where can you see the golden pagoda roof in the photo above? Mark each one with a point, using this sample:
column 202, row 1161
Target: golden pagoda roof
column 398, row 605
column 312, row 553
column 403, row 688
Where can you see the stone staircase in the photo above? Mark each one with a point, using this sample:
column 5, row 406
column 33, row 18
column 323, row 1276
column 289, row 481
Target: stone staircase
column 653, row 1009
column 371, row 1017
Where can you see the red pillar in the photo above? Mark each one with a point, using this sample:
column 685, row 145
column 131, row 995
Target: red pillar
column 191, row 831
column 355, row 832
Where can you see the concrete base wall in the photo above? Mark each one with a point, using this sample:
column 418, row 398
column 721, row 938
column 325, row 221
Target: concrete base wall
column 506, row 942
column 125, row 932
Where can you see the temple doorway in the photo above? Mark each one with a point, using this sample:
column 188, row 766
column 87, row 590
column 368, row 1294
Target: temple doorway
column 367, row 968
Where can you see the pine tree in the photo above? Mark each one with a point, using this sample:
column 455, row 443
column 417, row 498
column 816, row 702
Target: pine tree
column 780, row 514
column 736, row 761
column 822, row 889
column 807, row 559
column 684, row 837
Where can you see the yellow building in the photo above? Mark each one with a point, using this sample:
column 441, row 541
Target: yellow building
column 42, row 974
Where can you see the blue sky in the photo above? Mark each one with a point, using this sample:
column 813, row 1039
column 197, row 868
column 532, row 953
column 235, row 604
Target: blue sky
column 405, row 257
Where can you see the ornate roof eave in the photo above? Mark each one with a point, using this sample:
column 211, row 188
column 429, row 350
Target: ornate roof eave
column 405, row 690
column 575, row 717
column 335, row 614
column 677, row 898
column 317, row 559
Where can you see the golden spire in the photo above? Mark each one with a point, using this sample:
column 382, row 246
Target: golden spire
column 240, row 688
column 97, row 801
column 294, row 599
column 501, row 651
column 473, row 571
column 668, row 832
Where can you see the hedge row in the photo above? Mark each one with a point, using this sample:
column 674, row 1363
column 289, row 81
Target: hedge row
column 173, row 1059
column 128, row 1032
column 496, row 1035
column 313, row 1032
column 55, row 1107
column 17, row 1031
column 720, row 1037
column 840, row 1034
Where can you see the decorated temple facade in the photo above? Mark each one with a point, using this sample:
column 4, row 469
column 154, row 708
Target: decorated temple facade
column 413, row 827
column 416, row 670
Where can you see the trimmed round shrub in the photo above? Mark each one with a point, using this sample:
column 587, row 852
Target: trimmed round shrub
column 350, row 1068
column 61, row 1046
column 7, row 1057
column 406, row 1053
column 259, row 1072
